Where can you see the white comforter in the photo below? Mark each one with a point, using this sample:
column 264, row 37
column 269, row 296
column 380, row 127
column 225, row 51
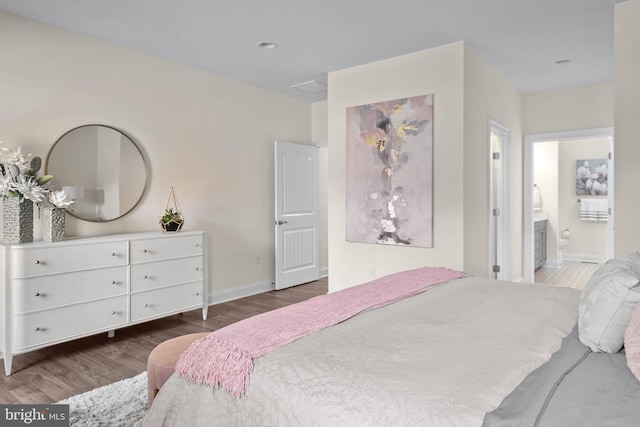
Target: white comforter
column 442, row 358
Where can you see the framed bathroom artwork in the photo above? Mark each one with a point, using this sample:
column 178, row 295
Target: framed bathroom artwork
column 592, row 177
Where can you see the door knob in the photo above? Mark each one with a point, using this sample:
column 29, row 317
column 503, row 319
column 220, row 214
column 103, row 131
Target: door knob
column 280, row 222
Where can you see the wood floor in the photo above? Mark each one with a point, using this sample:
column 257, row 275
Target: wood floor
column 58, row 372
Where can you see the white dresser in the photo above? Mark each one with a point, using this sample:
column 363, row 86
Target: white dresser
column 56, row 292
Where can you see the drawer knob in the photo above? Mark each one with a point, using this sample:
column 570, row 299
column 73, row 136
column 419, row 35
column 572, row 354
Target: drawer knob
column 113, row 254
column 145, row 277
column 144, row 251
column 197, row 245
column 113, row 282
column 37, row 329
column 197, row 268
column 197, row 294
column 113, row 312
column 37, row 294
column 37, row 262
column 146, row 305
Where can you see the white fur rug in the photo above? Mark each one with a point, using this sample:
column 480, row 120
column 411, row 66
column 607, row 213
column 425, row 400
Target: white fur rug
column 119, row 404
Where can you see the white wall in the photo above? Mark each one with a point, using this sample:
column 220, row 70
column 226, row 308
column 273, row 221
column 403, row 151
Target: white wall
column 488, row 95
column 208, row 136
column 319, row 130
column 437, row 71
column 467, row 93
column 627, row 126
column 574, row 108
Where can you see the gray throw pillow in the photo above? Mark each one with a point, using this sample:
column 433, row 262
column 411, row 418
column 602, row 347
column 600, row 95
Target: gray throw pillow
column 607, row 302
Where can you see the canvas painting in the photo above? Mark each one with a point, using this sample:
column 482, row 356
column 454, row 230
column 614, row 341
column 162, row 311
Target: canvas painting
column 592, row 177
column 389, row 175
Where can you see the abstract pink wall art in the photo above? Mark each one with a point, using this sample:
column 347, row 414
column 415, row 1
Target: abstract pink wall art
column 389, row 174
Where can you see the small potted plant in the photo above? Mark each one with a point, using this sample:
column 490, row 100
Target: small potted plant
column 171, row 220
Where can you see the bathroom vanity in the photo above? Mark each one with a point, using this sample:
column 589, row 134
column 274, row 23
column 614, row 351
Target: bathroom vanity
column 540, row 239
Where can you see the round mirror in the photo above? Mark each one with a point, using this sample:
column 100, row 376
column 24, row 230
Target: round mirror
column 101, row 168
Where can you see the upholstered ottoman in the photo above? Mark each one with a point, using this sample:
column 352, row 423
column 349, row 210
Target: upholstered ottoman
column 162, row 361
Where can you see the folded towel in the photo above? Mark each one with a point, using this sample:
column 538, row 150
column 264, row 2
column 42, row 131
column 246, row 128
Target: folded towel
column 594, row 209
column 537, row 199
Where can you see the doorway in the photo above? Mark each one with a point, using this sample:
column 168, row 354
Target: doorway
column 557, row 220
column 499, row 155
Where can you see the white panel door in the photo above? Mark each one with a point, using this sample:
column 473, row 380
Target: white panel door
column 297, row 216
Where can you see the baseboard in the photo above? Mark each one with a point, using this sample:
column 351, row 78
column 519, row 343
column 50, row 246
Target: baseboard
column 552, row 263
column 225, row 295
column 248, row 290
column 600, row 259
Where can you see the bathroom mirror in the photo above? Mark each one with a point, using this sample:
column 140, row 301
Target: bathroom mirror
column 101, row 168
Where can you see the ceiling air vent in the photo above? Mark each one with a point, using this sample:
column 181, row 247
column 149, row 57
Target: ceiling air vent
column 312, row 86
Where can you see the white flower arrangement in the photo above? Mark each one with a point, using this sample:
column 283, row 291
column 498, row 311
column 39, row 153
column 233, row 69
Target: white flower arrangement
column 18, row 176
column 60, row 199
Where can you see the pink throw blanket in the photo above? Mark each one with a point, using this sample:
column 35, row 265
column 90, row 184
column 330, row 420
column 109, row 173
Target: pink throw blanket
column 225, row 357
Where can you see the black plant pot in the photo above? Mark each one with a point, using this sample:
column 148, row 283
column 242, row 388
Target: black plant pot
column 171, row 226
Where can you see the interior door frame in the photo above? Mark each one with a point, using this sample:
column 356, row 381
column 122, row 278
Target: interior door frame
column 528, row 241
column 502, row 246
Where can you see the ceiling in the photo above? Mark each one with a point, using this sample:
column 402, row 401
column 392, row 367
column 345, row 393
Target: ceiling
column 523, row 39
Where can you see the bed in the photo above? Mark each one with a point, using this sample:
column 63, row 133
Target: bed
column 451, row 355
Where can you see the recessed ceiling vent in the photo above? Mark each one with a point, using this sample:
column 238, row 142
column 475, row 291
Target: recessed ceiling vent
column 268, row 45
column 312, row 86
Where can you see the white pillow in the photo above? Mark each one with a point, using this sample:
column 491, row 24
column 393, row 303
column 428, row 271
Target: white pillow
column 607, row 302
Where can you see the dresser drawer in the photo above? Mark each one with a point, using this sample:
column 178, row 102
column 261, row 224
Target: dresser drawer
column 43, row 292
column 30, row 330
column 152, row 275
column 166, row 247
column 159, row 302
column 30, row 262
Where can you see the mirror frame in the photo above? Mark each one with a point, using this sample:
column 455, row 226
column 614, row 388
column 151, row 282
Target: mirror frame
column 135, row 145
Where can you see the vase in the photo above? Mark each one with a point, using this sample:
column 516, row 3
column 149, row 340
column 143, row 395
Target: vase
column 53, row 224
column 17, row 220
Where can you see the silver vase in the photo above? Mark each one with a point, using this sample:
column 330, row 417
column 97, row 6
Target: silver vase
column 17, row 220
column 53, row 224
